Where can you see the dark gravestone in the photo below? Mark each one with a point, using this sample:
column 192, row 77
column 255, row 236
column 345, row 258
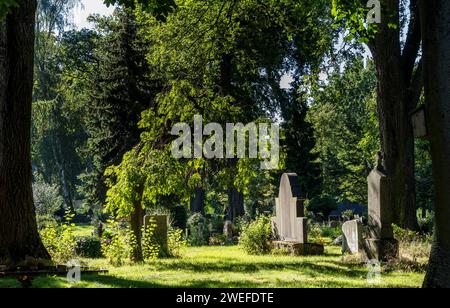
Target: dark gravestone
column 160, row 233
column 381, row 244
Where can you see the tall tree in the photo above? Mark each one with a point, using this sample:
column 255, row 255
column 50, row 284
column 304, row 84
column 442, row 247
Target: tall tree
column 435, row 18
column 19, row 237
column 398, row 90
column 120, row 88
column 343, row 115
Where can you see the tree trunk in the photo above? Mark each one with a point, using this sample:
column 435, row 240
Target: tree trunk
column 59, row 160
column 397, row 140
column 137, row 222
column 235, row 204
column 436, row 55
column 198, row 201
column 19, row 236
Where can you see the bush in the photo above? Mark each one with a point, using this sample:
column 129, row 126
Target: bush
column 47, row 200
column 426, row 224
column 218, row 240
column 414, row 250
column 198, row 230
column 60, row 242
column 118, row 243
column 151, row 249
column 255, row 237
column 46, row 221
column 332, row 233
column 177, row 244
column 314, row 230
column 89, row 247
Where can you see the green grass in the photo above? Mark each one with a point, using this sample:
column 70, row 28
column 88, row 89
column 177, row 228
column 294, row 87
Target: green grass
column 83, row 230
column 230, row 267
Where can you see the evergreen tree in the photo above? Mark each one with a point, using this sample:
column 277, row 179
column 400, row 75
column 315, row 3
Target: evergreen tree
column 120, row 88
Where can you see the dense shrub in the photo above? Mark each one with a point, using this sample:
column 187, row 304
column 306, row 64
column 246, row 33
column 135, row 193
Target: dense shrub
column 255, row 237
column 89, row 247
column 332, row 233
column 177, row 243
column 48, row 201
column 60, row 242
column 198, row 230
column 118, row 243
column 426, row 224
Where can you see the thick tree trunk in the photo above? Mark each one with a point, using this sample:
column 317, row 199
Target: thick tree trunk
column 198, row 201
column 436, row 54
column 137, row 222
column 19, row 237
column 397, row 140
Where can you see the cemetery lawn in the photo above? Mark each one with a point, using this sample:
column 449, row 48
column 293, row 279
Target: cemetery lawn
column 229, row 267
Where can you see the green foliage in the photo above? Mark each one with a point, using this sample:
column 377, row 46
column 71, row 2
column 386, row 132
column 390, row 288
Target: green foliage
column 60, row 241
column 424, row 176
column 177, row 243
column 88, row 247
column 5, row 7
column 347, row 215
column 426, row 222
column 352, row 14
column 151, row 250
column 322, row 206
column 415, row 250
column 299, row 144
column 159, row 8
column 343, row 115
column 255, row 237
column 329, row 232
column 118, row 243
column 47, row 200
column 223, row 60
column 198, row 230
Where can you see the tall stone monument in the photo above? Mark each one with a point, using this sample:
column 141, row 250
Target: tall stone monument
column 290, row 226
column 381, row 244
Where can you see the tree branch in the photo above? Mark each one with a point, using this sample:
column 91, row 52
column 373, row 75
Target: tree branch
column 412, row 44
column 415, row 89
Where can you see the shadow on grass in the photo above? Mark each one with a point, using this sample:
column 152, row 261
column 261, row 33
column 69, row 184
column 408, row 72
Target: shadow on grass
column 309, row 268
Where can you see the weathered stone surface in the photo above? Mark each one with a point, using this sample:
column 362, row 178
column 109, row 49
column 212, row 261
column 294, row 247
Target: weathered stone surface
column 290, row 226
column 289, row 223
column 381, row 249
column 352, row 241
column 228, row 229
column 381, row 244
column 160, row 232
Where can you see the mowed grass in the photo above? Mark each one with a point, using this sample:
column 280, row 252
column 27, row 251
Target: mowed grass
column 83, row 230
column 230, row 267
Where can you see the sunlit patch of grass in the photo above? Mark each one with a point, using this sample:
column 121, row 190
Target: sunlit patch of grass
column 83, row 230
column 230, row 266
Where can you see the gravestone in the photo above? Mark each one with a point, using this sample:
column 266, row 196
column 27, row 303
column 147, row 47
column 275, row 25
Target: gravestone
column 352, row 240
column 290, row 226
column 228, row 229
column 381, row 244
column 160, row 225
